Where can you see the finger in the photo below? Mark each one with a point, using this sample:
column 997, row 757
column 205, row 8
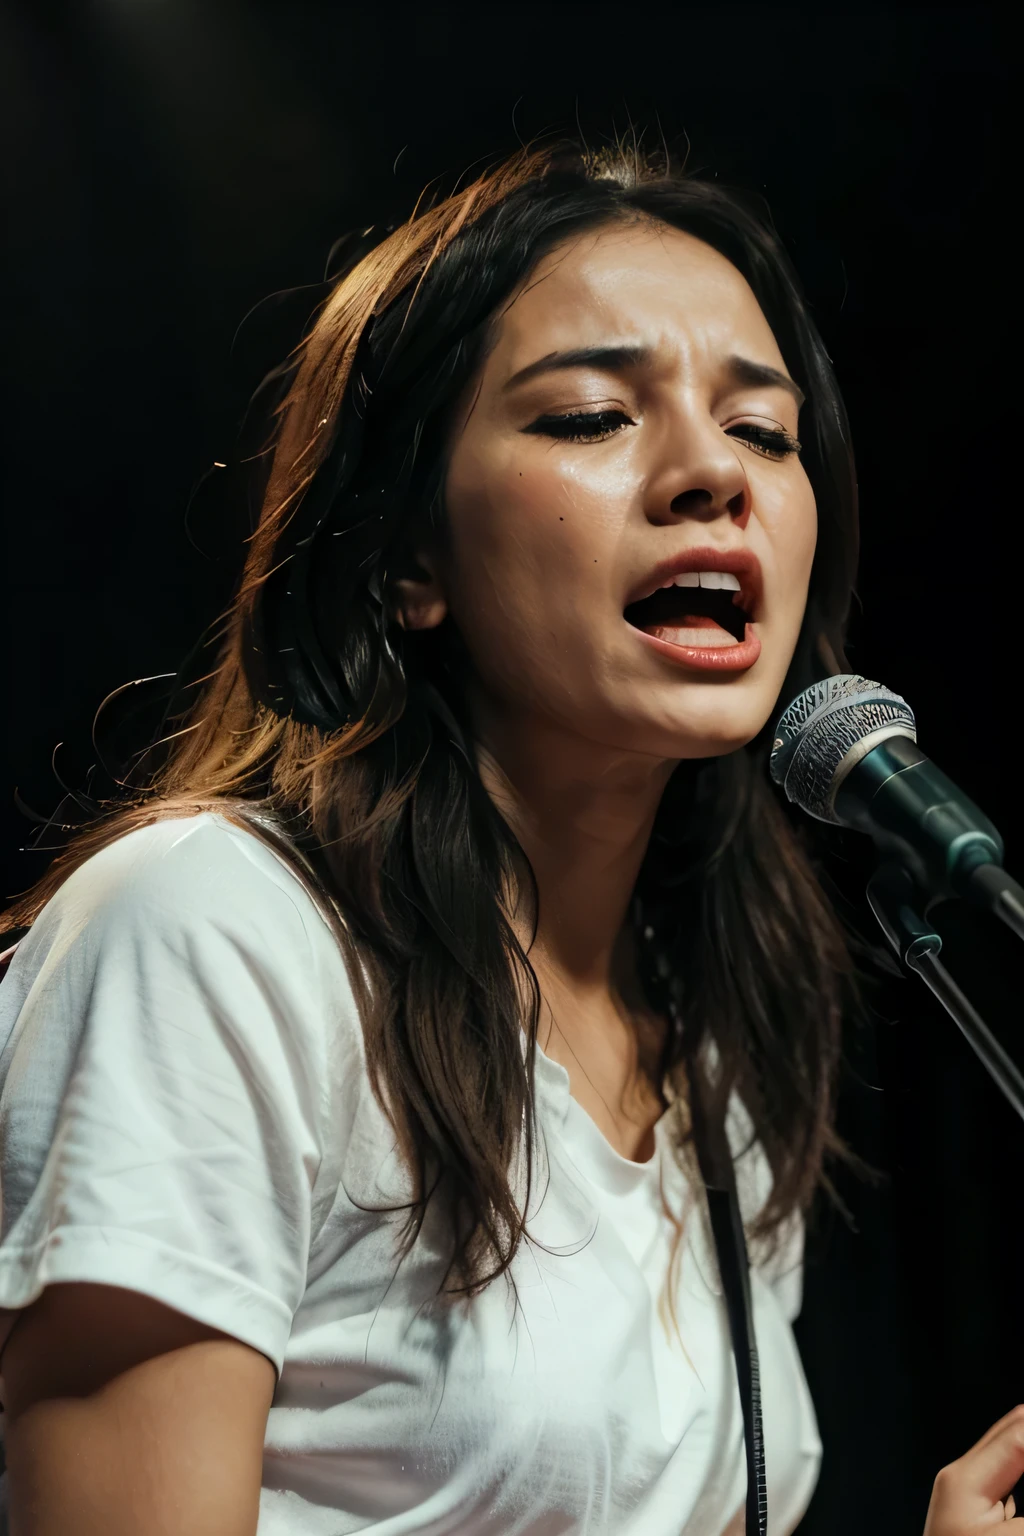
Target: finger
column 1015, row 1415
column 995, row 1464
column 1009, row 1507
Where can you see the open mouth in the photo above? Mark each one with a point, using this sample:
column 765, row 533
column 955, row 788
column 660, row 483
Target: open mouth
column 698, row 608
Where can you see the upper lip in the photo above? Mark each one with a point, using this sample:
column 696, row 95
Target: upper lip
column 743, row 564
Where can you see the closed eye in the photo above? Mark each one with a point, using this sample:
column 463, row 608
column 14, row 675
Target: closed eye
column 772, row 442
column 581, row 426
column 594, row 426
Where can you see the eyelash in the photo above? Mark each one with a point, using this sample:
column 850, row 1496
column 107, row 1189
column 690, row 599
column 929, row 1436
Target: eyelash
column 591, row 426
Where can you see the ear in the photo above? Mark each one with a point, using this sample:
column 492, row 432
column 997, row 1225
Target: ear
column 418, row 598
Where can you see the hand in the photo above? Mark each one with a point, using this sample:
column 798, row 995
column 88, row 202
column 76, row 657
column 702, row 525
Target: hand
column 972, row 1496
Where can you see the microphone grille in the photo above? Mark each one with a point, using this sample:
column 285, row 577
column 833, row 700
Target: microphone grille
column 820, row 727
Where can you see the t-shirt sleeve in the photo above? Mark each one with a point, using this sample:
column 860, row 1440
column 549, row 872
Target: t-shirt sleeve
column 161, row 1085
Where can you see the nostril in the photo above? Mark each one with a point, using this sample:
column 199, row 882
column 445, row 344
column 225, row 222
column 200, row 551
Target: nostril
column 693, row 502
column 704, row 505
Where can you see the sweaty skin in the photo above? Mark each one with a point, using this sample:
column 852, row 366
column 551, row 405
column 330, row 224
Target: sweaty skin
column 580, row 721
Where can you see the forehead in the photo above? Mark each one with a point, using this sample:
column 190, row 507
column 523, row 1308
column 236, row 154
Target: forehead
column 644, row 282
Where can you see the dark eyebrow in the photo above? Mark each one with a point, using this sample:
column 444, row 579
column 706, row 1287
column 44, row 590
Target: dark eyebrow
column 616, row 359
column 745, row 371
column 609, row 359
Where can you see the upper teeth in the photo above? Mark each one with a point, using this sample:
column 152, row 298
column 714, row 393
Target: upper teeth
column 723, row 581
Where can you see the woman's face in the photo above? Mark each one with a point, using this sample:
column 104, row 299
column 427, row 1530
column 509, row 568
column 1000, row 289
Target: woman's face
column 622, row 464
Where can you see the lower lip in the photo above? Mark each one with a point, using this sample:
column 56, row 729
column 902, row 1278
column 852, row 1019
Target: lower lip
column 708, row 658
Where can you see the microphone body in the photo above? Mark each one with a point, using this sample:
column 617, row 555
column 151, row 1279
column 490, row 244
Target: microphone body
column 846, row 751
column 918, row 815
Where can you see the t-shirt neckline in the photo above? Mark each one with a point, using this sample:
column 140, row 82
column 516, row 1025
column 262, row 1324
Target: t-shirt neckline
column 588, row 1142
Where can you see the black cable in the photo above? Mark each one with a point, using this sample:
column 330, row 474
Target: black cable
column 734, row 1267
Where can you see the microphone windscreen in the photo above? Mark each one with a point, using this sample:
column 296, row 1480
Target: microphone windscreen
column 823, row 725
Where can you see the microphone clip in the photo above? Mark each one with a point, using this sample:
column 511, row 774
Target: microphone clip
column 895, row 900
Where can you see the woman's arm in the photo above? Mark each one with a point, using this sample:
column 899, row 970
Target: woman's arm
column 124, row 1416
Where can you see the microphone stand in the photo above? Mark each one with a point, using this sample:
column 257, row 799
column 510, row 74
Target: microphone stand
column 893, row 897
column 991, row 887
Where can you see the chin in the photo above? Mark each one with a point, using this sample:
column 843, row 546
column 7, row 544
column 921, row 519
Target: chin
column 685, row 739
column 714, row 746
column 710, row 727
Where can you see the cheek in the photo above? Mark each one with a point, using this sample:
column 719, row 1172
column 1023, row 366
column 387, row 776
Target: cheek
column 790, row 524
column 525, row 534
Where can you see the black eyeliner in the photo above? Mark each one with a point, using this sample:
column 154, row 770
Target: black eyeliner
column 771, row 440
column 571, row 426
column 572, row 421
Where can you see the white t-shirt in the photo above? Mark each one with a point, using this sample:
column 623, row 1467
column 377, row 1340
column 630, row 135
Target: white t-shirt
column 185, row 1111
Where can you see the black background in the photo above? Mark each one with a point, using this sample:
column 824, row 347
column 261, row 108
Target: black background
column 168, row 164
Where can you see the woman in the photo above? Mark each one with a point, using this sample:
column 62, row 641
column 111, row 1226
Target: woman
column 348, row 1167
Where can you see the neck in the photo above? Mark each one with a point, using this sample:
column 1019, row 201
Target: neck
column 583, row 816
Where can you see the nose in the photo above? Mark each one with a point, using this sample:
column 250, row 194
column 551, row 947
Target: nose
column 699, row 476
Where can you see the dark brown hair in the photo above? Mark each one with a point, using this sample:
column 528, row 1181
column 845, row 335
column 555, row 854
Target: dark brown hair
column 324, row 715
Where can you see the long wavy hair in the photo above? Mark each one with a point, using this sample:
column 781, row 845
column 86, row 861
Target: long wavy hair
column 327, row 728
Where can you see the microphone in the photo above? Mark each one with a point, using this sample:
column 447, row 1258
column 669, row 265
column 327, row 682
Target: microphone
column 845, row 751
